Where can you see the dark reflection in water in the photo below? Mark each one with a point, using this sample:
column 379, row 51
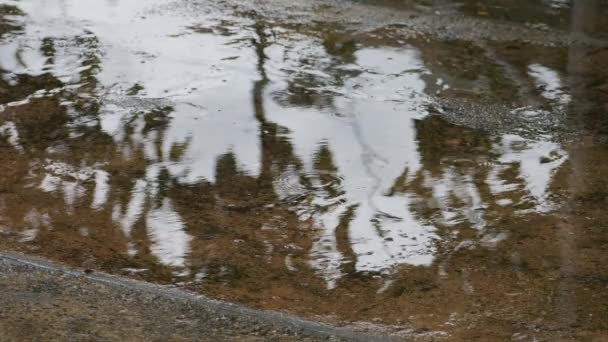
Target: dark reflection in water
column 544, row 14
column 361, row 176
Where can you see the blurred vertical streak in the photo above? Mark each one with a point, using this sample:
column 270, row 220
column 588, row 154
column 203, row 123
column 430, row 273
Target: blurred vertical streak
column 583, row 19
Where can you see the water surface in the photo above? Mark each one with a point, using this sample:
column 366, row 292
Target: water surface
column 347, row 175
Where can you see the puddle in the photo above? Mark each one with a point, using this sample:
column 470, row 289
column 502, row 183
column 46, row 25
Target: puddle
column 345, row 175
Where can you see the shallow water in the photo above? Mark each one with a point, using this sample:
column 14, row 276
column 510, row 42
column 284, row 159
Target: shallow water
column 450, row 187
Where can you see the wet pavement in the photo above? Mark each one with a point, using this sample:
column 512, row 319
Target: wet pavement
column 429, row 166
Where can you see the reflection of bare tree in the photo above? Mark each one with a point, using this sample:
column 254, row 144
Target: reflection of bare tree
column 466, row 179
column 318, row 71
column 153, row 198
column 341, row 174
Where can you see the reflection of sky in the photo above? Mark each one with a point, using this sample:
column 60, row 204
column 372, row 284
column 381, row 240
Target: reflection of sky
column 372, row 142
column 535, row 172
column 558, row 3
column 549, row 82
column 368, row 130
column 371, row 145
column 158, row 52
column 169, row 240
